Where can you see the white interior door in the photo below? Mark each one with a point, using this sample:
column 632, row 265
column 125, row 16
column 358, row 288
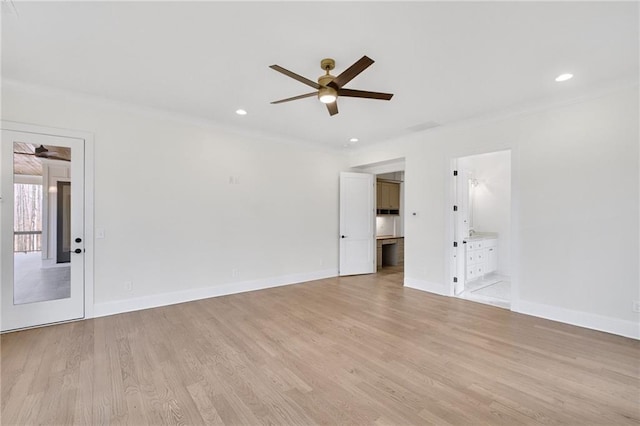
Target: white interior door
column 357, row 224
column 457, row 260
column 39, row 286
column 461, row 228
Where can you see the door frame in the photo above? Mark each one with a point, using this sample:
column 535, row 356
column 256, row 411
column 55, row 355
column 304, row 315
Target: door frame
column 387, row 166
column 450, row 219
column 89, row 172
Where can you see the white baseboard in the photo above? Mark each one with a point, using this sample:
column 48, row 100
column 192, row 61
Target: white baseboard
column 164, row 299
column 582, row 319
column 437, row 288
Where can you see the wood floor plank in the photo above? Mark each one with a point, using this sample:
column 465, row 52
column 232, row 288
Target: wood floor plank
column 347, row 350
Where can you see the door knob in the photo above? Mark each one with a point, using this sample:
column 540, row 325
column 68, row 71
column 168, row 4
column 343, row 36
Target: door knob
column 343, row 236
column 78, row 251
column 78, row 240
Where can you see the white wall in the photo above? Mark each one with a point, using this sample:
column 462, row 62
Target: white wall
column 492, row 199
column 173, row 223
column 575, row 206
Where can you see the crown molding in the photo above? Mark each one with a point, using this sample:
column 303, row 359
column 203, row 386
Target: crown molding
column 162, row 114
column 521, row 109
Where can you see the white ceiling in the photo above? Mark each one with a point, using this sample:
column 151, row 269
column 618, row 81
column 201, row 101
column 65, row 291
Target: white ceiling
column 444, row 61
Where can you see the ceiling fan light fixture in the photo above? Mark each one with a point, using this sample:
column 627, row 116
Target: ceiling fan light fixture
column 327, row 95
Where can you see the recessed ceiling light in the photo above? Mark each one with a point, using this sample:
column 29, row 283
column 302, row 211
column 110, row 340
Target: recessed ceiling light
column 354, row 140
column 564, row 77
column 241, row 112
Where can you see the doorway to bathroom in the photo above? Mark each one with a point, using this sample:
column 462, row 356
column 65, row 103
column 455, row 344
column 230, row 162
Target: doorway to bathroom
column 481, row 260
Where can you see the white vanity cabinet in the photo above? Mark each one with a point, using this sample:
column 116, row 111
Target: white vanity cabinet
column 481, row 257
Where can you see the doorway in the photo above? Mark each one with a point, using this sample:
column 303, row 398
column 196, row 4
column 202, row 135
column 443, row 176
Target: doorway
column 389, row 222
column 42, row 249
column 481, row 260
column 383, row 222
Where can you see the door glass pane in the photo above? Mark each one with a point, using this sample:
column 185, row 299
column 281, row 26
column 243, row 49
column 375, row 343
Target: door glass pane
column 42, row 236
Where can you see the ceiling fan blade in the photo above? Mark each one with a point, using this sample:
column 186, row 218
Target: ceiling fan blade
column 295, row 76
column 351, row 72
column 333, row 108
column 364, row 94
column 306, row 95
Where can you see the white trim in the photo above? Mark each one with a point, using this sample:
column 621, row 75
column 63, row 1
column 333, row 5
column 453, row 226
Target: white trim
column 431, row 287
column 581, row 319
column 171, row 298
column 27, row 179
column 388, row 166
column 89, row 156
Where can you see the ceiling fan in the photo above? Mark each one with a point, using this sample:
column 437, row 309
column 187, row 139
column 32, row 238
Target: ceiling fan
column 43, row 152
column 329, row 87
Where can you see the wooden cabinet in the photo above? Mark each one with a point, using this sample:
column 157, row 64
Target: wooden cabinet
column 390, row 251
column 394, row 196
column 383, row 193
column 388, row 197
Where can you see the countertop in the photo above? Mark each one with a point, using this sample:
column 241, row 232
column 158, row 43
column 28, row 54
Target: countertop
column 482, row 236
column 386, row 237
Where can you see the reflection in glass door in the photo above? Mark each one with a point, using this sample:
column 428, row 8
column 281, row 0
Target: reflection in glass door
column 42, row 259
column 63, row 219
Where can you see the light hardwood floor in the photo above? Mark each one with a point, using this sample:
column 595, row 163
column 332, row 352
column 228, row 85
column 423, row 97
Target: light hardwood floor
column 358, row 350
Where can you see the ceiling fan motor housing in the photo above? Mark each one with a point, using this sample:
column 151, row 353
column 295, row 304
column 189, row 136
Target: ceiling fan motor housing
column 325, row 90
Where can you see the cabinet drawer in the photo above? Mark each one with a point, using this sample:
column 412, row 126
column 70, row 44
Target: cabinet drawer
column 471, row 274
column 389, row 241
column 472, row 257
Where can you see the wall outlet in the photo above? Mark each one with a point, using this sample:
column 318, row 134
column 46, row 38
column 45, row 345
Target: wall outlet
column 128, row 286
column 636, row 306
column 234, row 180
column 235, row 273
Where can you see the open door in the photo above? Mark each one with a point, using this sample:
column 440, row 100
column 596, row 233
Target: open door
column 357, row 225
column 461, row 227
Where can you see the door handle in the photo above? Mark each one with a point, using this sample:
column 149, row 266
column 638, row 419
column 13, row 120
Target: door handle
column 78, row 240
column 343, row 236
column 78, row 251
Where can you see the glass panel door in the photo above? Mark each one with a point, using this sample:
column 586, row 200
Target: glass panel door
column 42, row 229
